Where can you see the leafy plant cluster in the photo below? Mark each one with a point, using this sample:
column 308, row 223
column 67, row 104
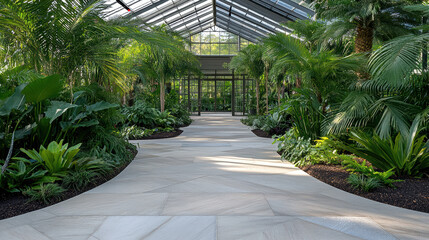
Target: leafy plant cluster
column 274, row 124
column 46, row 173
column 302, row 152
column 142, row 121
column 356, row 78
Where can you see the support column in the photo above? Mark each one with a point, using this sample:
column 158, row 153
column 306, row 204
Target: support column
column 189, row 93
column 215, row 103
column 199, row 96
column 233, row 94
column 244, row 95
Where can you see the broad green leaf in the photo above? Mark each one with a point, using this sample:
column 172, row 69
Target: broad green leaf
column 99, row 106
column 43, row 88
column 57, row 109
column 16, row 101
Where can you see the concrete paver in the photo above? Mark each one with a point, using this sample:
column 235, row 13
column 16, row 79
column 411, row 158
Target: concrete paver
column 215, row 181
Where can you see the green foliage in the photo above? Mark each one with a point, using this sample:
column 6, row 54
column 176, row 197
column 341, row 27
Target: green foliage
column 407, row 155
column 366, row 170
column 43, row 88
column 142, row 116
column 135, row 132
column 78, row 180
column 181, row 114
column 294, row 149
column 364, row 183
column 56, row 158
column 22, row 174
column 45, row 193
column 305, row 111
column 301, row 152
column 274, row 123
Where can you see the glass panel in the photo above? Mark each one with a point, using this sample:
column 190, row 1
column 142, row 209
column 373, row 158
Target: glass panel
column 215, row 41
column 214, row 49
column 205, row 49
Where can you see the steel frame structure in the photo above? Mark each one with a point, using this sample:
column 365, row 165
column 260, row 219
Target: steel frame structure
column 249, row 19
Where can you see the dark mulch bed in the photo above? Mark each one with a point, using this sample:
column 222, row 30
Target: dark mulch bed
column 260, row 133
column 411, row 193
column 17, row 204
column 163, row 135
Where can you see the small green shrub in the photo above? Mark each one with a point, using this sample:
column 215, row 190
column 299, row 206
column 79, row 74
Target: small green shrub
column 77, row 180
column 363, row 182
column 46, row 193
column 23, row 174
column 301, row 152
column 135, row 132
column 56, row 158
column 407, row 154
column 363, row 168
column 294, row 150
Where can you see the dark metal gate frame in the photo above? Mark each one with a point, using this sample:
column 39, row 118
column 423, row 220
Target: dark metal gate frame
column 247, row 85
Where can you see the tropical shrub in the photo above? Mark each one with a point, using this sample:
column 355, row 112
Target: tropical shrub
column 364, row 183
column 302, row 152
column 135, row 132
column 46, row 193
column 77, row 180
column 57, row 158
column 368, row 171
column 407, row 154
column 294, row 149
column 23, row 174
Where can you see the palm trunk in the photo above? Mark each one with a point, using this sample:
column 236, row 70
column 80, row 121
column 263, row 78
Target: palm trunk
column 298, row 82
column 257, row 97
column 364, row 39
column 363, row 44
column 162, row 94
column 424, row 51
column 279, row 95
column 266, row 88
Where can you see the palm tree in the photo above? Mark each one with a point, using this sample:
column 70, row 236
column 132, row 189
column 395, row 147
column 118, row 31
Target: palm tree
column 71, row 38
column 364, row 19
column 395, row 62
column 160, row 64
column 320, row 69
column 249, row 61
column 396, row 93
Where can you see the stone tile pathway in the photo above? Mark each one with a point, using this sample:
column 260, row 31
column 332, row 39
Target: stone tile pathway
column 215, row 181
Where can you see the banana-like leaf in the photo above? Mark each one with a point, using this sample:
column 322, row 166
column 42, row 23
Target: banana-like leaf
column 71, row 124
column 16, row 101
column 43, row 88
column 99, row 106
column 21, row 133
column 57, row 109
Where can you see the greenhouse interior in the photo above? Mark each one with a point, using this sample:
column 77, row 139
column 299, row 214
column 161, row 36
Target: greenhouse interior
column 214, row 119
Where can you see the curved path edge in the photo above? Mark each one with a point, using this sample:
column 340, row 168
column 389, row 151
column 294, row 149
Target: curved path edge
column 215, row 181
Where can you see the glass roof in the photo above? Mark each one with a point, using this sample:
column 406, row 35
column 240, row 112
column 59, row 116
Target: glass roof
column 250, row 19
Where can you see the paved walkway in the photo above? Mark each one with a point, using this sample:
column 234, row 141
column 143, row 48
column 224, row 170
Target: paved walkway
column 215, row 181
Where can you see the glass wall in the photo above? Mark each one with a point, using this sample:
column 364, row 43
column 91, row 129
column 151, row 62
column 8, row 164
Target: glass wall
column 215, row 41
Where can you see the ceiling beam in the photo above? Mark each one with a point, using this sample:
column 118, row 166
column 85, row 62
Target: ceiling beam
column 236, row 32
column 243, row 17
column 145, row 9
column 197, row 17
column 263, row 11
column 179, row 17
column 242, row 25
column 241, row 28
